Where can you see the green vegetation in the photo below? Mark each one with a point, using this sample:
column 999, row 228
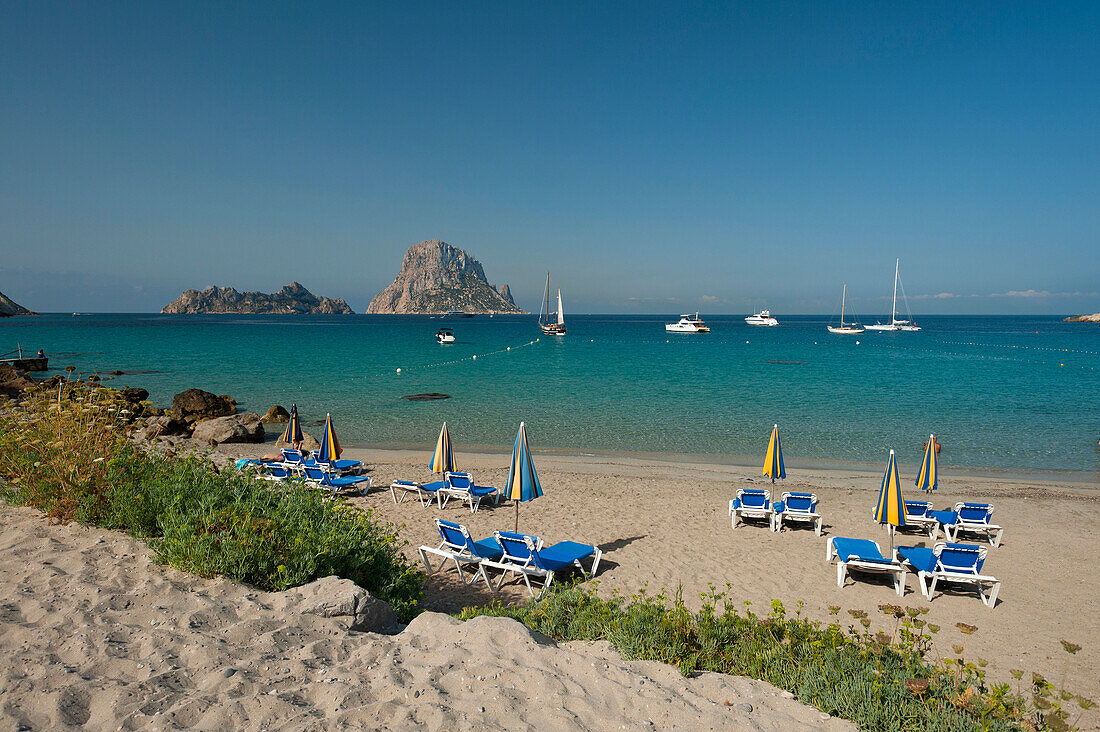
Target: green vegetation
column 881, row 681
column 65, row 451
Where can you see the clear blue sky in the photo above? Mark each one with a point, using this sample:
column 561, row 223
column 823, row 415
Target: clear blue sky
column 656, row 157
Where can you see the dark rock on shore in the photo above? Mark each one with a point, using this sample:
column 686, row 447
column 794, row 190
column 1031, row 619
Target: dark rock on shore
column 275, row 415
column 195, row 405
column 436, row 278
column 293, row 299
column 9, row 307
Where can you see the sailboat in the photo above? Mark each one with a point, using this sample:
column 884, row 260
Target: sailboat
column 895, row 324
column 546, row 317
column 845, row 328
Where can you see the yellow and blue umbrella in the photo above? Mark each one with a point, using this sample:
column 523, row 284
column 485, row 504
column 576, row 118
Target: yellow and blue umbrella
column 292, row 435
column 891, row 505
column 443, row 461
column 928, row 478
column 773, row 459
column 330, row 446
column 523, row 481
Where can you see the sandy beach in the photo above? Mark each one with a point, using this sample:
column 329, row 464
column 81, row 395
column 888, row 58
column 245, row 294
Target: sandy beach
column 664, row 524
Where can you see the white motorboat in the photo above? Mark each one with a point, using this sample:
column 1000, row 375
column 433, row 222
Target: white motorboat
column 551, row 323
column 688, row 324
column 445, row 335
column 845, row 328
column 895, row 323
column 763, row 318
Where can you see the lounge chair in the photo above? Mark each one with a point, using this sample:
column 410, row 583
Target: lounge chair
column 334, row 483
column 340, row 467
column 754, row 503
column 797, row 507
column 949, row 562
column 461, row 487
column 525, row 555
column 974, row 518
column 459, row 547
column 863, row 555
column 426, row 492
column 919, row 514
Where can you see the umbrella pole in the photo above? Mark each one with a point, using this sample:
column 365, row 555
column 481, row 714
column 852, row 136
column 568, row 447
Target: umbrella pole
column 517, row 517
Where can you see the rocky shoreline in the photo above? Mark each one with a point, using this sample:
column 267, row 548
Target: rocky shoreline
column 1094, row 318
column 293, row 299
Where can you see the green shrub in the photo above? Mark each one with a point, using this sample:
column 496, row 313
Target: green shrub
column 68, row 455
column 881, row 681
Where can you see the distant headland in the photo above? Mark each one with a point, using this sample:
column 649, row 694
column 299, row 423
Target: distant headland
column 293, row 299
column 436, row 278
column 1095, row 318
column 9, row 307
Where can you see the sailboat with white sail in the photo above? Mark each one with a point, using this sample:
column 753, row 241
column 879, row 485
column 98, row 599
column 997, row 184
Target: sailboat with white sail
column 895, row 323
column 845, row 328
column 551, row 323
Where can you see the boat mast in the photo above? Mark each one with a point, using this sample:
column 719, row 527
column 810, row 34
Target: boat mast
column 545, row 301
column 894, row 304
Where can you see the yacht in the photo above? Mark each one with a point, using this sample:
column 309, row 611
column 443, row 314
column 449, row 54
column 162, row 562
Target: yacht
column 895, row 324
column 845, row 328
column 445, row 335
column 763, row 318
column 551, row 323
column 688, row 324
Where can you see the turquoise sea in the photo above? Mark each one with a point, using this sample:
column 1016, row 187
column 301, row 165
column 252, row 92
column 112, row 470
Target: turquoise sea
column 1008, row 393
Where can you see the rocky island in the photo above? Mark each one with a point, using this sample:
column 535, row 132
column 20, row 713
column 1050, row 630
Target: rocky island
column 9, row 307
column 293, row 299
column 437, row 278
column 1095, row 318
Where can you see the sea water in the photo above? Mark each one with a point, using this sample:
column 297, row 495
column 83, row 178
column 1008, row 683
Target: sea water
column 1000, row 392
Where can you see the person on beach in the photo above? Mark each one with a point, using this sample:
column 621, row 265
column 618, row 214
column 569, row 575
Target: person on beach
column 41, row 353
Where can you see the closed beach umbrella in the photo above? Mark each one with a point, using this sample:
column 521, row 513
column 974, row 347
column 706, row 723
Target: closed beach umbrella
column 523, row 481
column 928, row 477
column 292, row 435
column 330, row 446
column 773, row 460
column 891, row 505
column 443, row 461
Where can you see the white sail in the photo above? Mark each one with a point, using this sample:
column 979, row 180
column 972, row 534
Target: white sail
column 561, row 313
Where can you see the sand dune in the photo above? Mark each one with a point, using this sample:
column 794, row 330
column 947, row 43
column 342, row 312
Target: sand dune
column 94, row 635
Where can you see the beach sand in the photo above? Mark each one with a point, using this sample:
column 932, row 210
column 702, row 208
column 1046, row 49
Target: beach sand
column 664, row 524
column 93, row 635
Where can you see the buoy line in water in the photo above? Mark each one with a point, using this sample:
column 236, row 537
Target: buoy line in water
column 984, row 357
column 1051, row 349
column 439, row 364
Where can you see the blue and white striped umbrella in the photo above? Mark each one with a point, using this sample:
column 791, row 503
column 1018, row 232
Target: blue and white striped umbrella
column 523, row 481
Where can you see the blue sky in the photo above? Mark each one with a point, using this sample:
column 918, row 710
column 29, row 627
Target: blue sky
column 656, row 157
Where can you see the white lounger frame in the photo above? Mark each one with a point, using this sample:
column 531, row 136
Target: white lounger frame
column 895, row 569
column 789, row 515
column 527, row 569
column 411, row 486
column 745, row 512
column 446, row 493
column 460, row 556
column 928, row 580
column 993, row 533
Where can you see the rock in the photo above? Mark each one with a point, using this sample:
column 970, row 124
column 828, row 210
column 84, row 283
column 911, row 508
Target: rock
column 195, row 405
column 428, row 397
column 163, row 425
column 134, row 395
column 9, row 372
column 436, row 277
column 335, row 597
column 9, row 307
column 1082, row 319
column 309, row 442
column 275, row 415
column 234, row 428
column 293, row 299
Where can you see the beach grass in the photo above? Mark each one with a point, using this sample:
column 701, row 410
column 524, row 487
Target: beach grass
column 65, row 451
column 881, row 681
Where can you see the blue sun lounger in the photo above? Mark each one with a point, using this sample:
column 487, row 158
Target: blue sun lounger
column 754, row 503
column 863, row 555
column 461, row 487
column 797, row 507
column 974, row 518
column 334, row 483
column 426, row 492
column 918, row 514
column 950, row 562
column 525, row 555
column 458, row 546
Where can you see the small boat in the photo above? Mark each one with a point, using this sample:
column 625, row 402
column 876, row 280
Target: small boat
column 895, row 324
column 551, row 323
column 445, row 335
column 763, row 318
column 688, row 324
column 457, row 314
column 845, row 328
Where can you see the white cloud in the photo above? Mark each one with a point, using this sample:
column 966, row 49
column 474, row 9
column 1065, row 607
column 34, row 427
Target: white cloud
column 1022, row 293
column 709, row 298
